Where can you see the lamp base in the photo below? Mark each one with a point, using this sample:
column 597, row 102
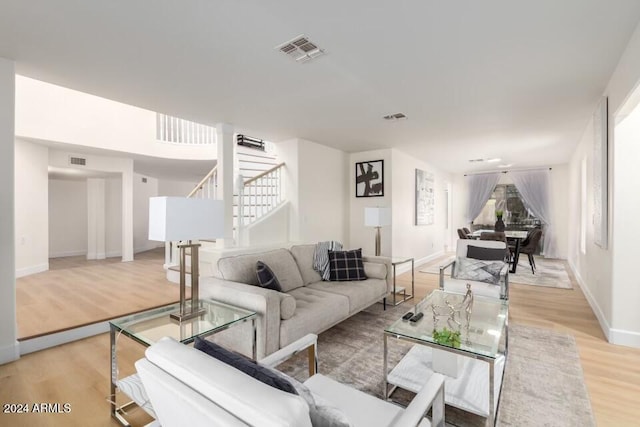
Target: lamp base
column 188, row 315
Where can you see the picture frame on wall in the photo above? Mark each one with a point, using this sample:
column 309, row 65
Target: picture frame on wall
column 370, row 178
column 425, row 198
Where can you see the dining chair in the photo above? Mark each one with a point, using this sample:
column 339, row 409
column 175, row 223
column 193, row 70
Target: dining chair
column 530, row 245
column 466, row 230
column 461, row 234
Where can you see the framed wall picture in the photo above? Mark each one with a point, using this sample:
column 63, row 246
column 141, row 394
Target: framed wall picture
column 425, row 198
column 370, row 178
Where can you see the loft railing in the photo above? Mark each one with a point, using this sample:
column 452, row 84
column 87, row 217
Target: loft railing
column 180, row 131
column 258, row 196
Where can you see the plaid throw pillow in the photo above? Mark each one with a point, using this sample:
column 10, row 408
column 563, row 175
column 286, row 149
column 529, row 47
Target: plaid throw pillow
column 346, row 265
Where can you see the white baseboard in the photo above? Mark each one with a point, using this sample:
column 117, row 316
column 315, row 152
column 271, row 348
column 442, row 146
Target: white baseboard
column 52, row 340
column 146, row 248
column 624, row 337
column 66, row 253
column 403, row 268
column 9, row 353
column 21, row 272
column 113, row 254
column 604, row 324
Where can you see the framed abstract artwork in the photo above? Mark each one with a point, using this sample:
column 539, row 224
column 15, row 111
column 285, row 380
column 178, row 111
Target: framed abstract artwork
column 370, row 178
column 425, row 198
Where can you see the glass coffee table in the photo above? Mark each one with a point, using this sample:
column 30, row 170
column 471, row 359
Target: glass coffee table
column 147, row 327
column 472, row 361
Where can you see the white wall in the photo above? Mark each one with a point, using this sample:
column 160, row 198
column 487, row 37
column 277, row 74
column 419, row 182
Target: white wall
column 31, row 207
column 104, row 165
column 67, row 217
column 113, row 216
column 323, row 194
column 141, row 193
column 604, row 273
column 314, row 186
column 422, row 242
column 359, row 235
column 9, row 349
column 271, row 229
column 172, row 188
column 54, row 113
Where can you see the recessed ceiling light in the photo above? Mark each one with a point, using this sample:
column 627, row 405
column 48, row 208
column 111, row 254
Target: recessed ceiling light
column 493, row 160
column 396, row 116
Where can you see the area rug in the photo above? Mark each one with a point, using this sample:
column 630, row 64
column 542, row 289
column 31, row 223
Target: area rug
column 543, row 381
column 550, row 273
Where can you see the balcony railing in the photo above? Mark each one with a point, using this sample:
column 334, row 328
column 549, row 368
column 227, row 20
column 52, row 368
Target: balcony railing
column 180, row 131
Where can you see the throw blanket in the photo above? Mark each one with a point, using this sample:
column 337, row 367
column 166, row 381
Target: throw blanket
column 321, row 257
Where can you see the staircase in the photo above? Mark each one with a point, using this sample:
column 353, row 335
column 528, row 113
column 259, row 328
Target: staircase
column 258, row 193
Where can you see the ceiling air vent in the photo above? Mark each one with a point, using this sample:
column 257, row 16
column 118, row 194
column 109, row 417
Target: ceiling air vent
column 144, row 180
column 79, row 161
column 300, row 49
column 476, row 160
column 396, row 116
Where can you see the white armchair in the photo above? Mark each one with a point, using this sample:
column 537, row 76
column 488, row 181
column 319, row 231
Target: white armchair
column 188, row 387
column 487, row 250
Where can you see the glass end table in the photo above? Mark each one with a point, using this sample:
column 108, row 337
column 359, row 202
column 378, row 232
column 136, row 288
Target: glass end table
column 147, row 327
column 471, row 353
column 401, row 289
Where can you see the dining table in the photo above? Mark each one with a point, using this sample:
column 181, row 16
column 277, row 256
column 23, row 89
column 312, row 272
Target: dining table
column 517, row 236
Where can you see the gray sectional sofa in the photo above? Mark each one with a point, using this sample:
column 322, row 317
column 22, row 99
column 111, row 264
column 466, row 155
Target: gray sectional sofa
column 306, row 304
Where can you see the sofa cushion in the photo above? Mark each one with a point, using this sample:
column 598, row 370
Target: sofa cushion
column 321, row 257
column 266, row 278
column 361, row 294
column 287, row 306
column 243, row 364
column 242, row 268
column 315, row 312
column 346, row 265
column 375, row 270
column 303, row 254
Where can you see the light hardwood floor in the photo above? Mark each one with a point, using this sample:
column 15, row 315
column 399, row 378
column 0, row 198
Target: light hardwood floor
column 76, row 292
column 78, row 373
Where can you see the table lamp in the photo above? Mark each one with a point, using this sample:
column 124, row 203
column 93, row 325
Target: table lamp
column 183, row 220
column 377, row 217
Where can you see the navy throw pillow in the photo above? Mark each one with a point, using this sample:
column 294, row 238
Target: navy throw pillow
column 266, row 278
column 244, row 364
column 346, row 265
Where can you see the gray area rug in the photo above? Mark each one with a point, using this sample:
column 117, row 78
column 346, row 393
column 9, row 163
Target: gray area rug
column 543, row 381
column 550, row 273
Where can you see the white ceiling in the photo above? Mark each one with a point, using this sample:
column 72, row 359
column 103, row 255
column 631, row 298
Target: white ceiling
column 512, row 79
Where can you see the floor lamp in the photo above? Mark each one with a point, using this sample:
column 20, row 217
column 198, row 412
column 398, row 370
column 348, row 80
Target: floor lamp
column 181, row 219
column 377, row 217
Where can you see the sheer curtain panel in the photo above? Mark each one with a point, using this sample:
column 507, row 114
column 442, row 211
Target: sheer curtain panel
column 533, row 187
column 480, row 188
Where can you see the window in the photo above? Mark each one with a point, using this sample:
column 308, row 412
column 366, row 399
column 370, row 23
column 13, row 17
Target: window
column 505, row 197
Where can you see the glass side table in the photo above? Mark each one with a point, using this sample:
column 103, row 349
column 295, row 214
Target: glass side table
column 401, row 289
column 149, row 326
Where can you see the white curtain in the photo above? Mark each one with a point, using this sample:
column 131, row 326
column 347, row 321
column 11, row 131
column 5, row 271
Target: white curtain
column 533, row 186
column 480, row 188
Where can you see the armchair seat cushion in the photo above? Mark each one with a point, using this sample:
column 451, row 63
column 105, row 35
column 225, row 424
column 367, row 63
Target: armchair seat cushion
column 362, row 410
column 478, row 270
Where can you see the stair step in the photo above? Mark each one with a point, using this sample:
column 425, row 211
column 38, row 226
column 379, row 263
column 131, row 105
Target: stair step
column 258, row 162
column 260, row 155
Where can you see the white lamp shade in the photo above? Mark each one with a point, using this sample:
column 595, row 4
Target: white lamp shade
column 377, row 217
column 181, row 218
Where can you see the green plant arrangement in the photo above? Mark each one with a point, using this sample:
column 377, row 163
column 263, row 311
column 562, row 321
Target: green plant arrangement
column 447, row 337
column 499, row 213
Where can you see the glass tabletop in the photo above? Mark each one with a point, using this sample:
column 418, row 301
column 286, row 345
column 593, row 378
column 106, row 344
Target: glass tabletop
column 445, row 323
column 149, row 326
